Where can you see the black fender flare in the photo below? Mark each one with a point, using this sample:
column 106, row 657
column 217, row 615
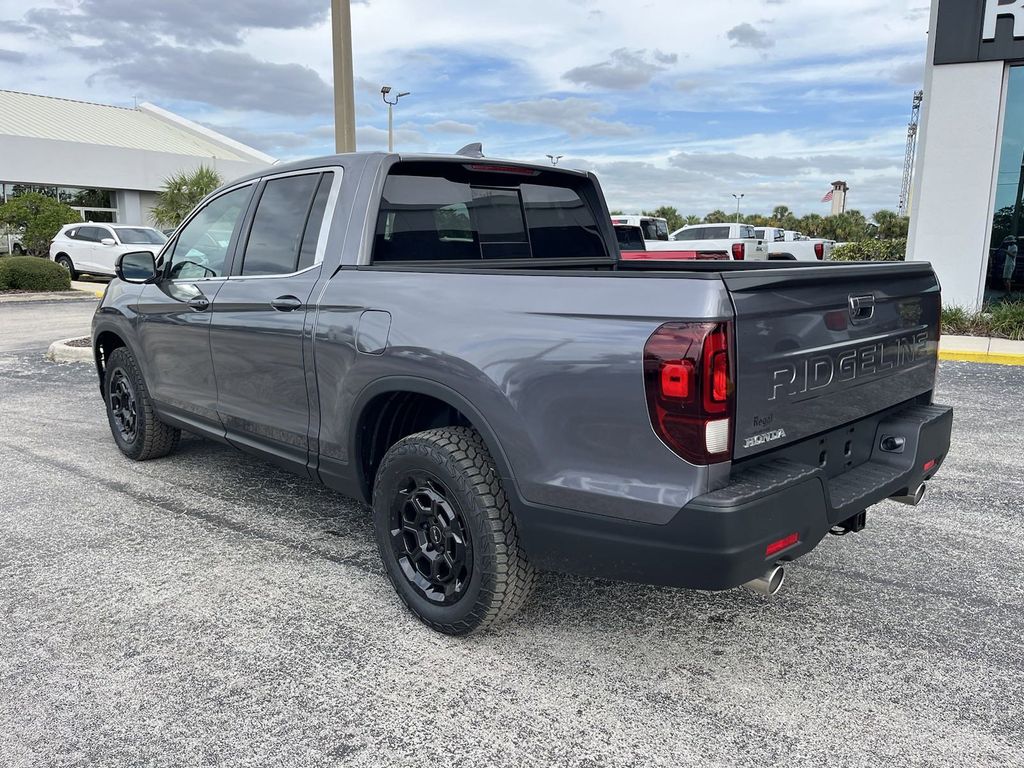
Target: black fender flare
column 445, row 394
column 118, row 330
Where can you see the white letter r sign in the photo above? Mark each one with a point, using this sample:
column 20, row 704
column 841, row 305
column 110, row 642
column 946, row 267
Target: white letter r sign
column 994, row 9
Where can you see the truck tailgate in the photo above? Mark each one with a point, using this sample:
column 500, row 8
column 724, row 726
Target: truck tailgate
column 824, row 346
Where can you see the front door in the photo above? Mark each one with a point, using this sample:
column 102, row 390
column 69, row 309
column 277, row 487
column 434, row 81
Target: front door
column 259, row 338
column 174, row 314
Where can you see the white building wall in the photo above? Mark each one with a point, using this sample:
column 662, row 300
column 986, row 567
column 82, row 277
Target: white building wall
column 954, row 177
column 129, row 208
column 44, row 161
column 147, row 200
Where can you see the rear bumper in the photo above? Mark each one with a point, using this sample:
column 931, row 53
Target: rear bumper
column 718, row 541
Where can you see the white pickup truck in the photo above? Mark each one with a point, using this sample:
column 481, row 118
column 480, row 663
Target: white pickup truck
column 654, row 228
column 784, row 244
column 739, row 240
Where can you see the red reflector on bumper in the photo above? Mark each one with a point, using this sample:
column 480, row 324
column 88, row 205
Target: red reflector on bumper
column 777, row 546
column 929, row 465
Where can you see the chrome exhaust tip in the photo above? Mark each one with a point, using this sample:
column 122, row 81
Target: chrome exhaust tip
column 913, row 499
column 769, row 583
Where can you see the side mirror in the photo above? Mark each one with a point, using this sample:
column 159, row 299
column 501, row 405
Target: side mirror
column 108, row 241
column 137, row 267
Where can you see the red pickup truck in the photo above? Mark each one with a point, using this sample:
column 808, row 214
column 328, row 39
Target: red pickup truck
column 633, row 247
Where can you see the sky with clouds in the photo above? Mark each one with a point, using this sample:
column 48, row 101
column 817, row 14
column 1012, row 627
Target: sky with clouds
column 674, row 102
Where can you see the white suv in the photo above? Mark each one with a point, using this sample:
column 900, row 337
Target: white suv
column 94, row 248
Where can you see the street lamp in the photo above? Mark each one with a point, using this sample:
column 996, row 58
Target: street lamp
column 555, row 158
column 738, row 198
column 385, row 91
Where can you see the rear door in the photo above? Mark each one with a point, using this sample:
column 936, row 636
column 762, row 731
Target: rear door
column 260, row 315
column 824, row 346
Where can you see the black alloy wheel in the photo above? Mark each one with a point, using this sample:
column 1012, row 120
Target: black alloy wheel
column 136, row 428
column 446, row 533
column 122, row 405
column 430, row 540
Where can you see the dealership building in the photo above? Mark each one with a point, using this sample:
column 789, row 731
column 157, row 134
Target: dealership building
column 106, row 162
column 966, row 199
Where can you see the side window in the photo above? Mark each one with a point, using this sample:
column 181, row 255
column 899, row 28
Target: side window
column 102, row 233
column 202, row 244
column 279, row 225
column 759, row 233
column 72, row 233
column 630, row 238
column 691, row 234
column 89, row 234
column 311, row 237
column 716, row 233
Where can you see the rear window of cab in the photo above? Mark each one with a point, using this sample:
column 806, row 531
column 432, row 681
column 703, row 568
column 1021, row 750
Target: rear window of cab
column 483, row 212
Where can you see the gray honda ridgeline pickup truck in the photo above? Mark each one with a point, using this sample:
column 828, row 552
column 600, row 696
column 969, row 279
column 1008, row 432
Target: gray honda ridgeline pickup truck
column 454, row 341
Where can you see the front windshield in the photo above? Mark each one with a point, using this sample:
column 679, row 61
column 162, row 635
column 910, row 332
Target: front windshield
column 140, row 236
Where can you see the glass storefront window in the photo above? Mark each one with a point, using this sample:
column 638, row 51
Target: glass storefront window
column 76, row 197
column 97, row 205
column 1005, row 267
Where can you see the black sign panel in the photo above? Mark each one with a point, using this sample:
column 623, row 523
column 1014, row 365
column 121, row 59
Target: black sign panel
column 979, row 30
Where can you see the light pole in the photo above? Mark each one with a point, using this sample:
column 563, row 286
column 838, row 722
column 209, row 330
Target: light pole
column 738, row 198
column 384, row 92
column 344, row 92
column 555, row 158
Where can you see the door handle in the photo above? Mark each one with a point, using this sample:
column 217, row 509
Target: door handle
column 286, row 304
column 199, row 303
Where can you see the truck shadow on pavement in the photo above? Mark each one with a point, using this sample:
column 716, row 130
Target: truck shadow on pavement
column 250, row 498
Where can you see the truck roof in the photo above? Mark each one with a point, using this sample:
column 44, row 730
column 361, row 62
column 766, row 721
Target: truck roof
column 348, row 157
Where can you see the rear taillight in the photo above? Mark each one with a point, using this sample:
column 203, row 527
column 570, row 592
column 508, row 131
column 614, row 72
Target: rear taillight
column 739, row 251
column 690, row 392
column 819, row 251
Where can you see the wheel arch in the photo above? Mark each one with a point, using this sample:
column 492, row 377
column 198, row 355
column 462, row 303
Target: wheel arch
column 104, row 342
column 396, row 406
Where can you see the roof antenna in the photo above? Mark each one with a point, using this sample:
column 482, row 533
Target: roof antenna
column 476, row 149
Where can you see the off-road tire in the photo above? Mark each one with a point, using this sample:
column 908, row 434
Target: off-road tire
column 65, row 261
column 152, row 439
column 500, row 578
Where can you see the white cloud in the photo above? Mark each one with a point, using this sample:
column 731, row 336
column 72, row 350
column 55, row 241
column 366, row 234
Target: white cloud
column 671, row 85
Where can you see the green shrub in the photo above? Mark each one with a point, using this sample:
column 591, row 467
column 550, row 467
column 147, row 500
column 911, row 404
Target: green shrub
column 37, row 218
column 1004, row 320
column 31, row 273
column 957, row 321
column 871, row 250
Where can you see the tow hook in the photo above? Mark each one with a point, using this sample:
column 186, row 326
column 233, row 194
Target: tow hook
column 853, row 524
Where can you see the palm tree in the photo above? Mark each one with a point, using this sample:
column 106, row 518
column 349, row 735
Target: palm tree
column 182, row 192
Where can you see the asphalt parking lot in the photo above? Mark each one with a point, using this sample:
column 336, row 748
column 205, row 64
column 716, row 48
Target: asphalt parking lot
column 208, row 609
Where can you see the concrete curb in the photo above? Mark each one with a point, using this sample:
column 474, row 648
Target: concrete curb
column 981, row 349
column 60, row 352
column 995, row 358
column 25, row 298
